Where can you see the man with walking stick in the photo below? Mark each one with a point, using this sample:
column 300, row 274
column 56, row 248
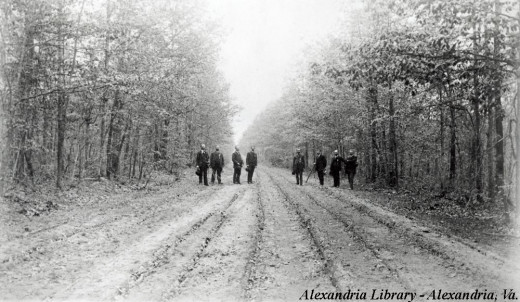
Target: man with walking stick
column 320, row 164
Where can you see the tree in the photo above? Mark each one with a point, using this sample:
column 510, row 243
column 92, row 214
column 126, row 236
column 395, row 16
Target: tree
column 419, row 85
column 116, row 89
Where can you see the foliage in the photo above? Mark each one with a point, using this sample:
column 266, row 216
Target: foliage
column 115, row 89
column 419, row 88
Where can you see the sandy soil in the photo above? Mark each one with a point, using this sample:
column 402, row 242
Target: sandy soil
column 267, row 241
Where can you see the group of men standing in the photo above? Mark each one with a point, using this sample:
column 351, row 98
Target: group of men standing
column 320, row 165
column 216, row 162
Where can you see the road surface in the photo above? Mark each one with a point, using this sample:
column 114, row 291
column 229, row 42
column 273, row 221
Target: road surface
column 268, row 241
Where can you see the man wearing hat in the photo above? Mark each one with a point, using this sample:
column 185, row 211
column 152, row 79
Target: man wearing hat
column 203, row 164
column 320, row 164
column 298, row 167
column 335, row 167
column 237, row 165
column 350, row 168
column 216, row 162
column 251, row 162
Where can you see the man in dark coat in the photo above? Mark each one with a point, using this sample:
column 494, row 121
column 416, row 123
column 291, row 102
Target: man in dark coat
column 350, row 168
column 251, row 162
column 298, row 167
column 335, row 167
column 216, row 161
column 320, row 164
column 203, row 164
column 237, row 165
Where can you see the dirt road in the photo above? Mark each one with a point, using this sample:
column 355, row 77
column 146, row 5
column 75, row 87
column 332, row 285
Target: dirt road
column 268, row 241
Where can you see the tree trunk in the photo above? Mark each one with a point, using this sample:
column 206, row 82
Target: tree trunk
column 372, row 93
column 120, row 147
column 157, row 142
column 476, row 154
column 476, row 149
column 392, row 144
column 453, row 149
column 62, row 120
column 307, row 154
column 499, row 117
column 109, row 144
column 126, row 159
column 46, row 129
column 518, row 124
column 61, row 107
column 440, row 175
column 101, row 165
column 518, row 133
column 135, row 152
column 383, row 153
column 489, row 152
column 477, row 135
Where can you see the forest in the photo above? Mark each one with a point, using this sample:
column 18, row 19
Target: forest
column 104, row 105
column 425, row 92
column 112, row 89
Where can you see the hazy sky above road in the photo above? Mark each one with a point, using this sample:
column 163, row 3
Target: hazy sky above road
column 264, row 40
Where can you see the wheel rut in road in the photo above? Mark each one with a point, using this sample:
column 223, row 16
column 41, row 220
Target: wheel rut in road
column 201, row 231
column 112, row 215
column 447, row 247
column 251, row 268
column 272, row 240
column 351, row 264
column 217, row 266
column 418, row 266
column 64, row 259
column 287, row 260
column 109, row 277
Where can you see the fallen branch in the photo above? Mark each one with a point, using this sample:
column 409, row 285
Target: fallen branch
column 52, row 227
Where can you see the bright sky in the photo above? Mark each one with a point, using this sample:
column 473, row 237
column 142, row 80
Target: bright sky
column 266, row 39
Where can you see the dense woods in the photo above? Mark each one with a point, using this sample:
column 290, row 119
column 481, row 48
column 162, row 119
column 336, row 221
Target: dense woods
column 111, row 88
column 426, row 92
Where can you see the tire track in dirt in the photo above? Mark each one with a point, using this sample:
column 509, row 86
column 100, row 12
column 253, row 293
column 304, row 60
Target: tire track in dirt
column 286, row 261
column 426, row 265
column 307, row 224
column 90, row 226
column 163, row 254
column 459, row 258
column 405, row 268
column 252, row 263
column 107, row 277
column 448, row 247
column 357, row 234
column 355, row 265
column 216, row 271
column 57, row 263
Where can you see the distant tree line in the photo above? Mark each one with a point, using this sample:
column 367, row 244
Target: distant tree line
column 426, row 92
column 112, row 88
